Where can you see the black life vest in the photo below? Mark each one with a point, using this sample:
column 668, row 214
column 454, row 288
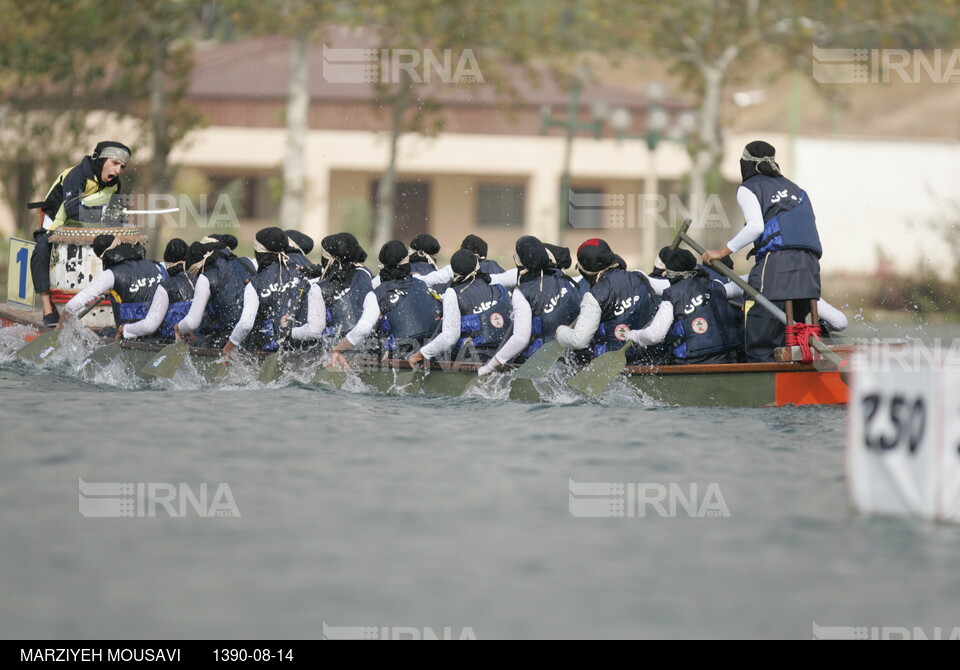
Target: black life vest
column 282, row 292
column 704, row 322
column 626, row 303
column 228, row 278
column 484, row 314
column 408, row 310
column 556, row 304
column 134, row 284
column 345, row 307
column 788, row 218
column 179, row 288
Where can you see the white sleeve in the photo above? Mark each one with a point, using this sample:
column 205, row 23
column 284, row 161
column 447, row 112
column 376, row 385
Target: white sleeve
column 376, row 281
column 507, row 279
column 441, row 276
column 251, row 305
column 201, row 296
column 658, row 284
column 732, row 290
column 151, row 323
column 522, row 320
column 103, row 283
column 833, row 316
column 753, row 214
column 657, row 329
column 450, row 331
column 368, row 319
column 316, row 317
column 583, row 330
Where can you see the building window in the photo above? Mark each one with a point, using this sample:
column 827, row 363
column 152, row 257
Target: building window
column 587, row 207
column 501, row 205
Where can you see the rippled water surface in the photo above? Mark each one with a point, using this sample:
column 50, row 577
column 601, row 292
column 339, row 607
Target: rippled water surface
column 364, row 509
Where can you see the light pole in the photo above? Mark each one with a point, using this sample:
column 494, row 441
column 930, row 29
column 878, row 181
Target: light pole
column 571, row 123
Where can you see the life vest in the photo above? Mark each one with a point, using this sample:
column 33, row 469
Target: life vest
column 408, row 310
column 704, row 322
column 282, row 292
column 490, row 267
column 484, row 314
column 788, row 218
column 345, row 307
column 179, row 288
column 134, row 283
column 92, row 199
column 626, row 303
column 421, row 268
column 228, row 278
column 556, row 304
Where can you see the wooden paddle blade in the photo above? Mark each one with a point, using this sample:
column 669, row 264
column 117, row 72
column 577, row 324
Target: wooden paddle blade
column 271, row 370
column 102, row 356
column 523, row 390
column 41, row 347
column 218, row 375
column 597, row 376
column 331, row 376
column 539, row 364
column 409, row 381
column 168, row 361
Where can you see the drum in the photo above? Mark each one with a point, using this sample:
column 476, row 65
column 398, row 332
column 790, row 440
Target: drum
column 73, row 265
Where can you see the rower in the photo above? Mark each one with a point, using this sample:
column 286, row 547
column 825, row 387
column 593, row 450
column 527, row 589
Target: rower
column 278, row 303
column 218, row 296
column 705, row 327
column 544, row 300
column 423, row 254
column 352, row 310
column 299, row 248
column 476, row 314
column 128, row 280
column 171, row 302
column 409, row 311
column 76, row 197
column 617, row 302
column 478, row 246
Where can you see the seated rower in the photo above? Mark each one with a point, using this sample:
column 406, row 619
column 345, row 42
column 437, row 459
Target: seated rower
column 705, row 327
column 476, row 315
column 128, row 281
column 409, row 311
column 544, row 300
column 352, row 309
column 278, row 303
column 172, row 300
column 617, row 301
column 423, row 254
column 478, row 246
column 218, row 294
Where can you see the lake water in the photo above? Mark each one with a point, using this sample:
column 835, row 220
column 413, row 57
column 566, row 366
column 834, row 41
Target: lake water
column 389, row 511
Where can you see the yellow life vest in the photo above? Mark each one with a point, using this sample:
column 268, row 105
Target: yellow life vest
column 92, row 196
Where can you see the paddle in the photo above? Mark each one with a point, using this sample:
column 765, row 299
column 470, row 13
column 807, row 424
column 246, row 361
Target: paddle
column 166, row 363
column 102, row 356
column 542, row 360
column 760, row 299
column 597, row 376
column 44, row 345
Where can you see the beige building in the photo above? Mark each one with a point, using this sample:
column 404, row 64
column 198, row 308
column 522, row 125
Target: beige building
column 490, row 171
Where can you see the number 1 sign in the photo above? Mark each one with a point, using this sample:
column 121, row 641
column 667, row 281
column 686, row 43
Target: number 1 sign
column 19, row 281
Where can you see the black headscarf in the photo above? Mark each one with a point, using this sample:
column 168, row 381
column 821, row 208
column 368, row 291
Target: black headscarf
column 759, row 158
column 466, row 268
column 270, row 243
column 593, row 257
column 202, row 256
column 424, row 249
column 561, row 256
column 680, row 264
column 475, row 244
column 394, row 261
column 110, row 255
column 299, row 242
column 229, row 240
column 344, row 253
column 533, row 258
column 175, row 256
